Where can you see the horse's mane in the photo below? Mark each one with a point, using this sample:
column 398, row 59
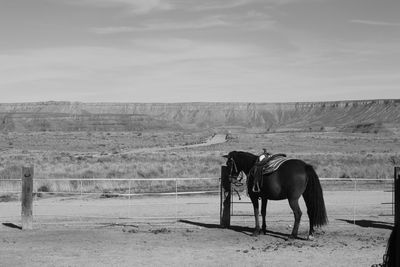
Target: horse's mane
column 244, row 160
column 242, row 154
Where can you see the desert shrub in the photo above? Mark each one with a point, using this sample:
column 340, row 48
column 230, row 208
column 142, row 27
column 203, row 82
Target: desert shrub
column 125, row 157
column 44, row 188
column 11, row 172
column 88, row 174
column 74, row 185
column 115, row 174
column 41, row 189
column 148, row 173
column 105, row 159
column 344, row 175
column 8, row 197
column 394, row 160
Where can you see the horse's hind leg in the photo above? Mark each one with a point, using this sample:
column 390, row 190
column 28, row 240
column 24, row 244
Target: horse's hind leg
column 294, row 205
column 264, row 213
column 254, row 200
column 311, row 220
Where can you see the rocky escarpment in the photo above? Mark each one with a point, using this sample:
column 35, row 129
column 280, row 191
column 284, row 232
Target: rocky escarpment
column 76, row 116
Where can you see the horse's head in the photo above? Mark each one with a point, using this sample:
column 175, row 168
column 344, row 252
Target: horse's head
column 232, row 165
column 238, row 161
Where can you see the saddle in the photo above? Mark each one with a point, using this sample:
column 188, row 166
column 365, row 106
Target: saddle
column 267, row 164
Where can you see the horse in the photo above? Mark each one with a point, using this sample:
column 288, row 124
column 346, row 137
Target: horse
column 291, row 180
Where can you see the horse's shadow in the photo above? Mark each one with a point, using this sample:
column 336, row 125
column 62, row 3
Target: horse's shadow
column 241, row 229
column 12, row 225
column 369, row 224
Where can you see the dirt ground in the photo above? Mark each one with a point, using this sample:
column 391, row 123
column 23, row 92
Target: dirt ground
column 142, row 232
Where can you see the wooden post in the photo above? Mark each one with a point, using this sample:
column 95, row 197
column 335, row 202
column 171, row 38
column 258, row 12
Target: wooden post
column 225, row 210
column 397, row 195
column 397, row 213
column 27, row 198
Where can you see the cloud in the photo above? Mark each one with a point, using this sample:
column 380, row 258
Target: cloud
column 161, row 69
column 146, row 53
column 135, row 6
column 208, row 22
column 375, row 23
column 212, row 5
column 166, row 68
column 252, row 20
column 145, row 6
column 112, row 30
column 224, row 4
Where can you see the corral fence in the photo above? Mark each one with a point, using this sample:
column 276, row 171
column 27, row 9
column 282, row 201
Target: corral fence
column 177, row 199
column 132, row 199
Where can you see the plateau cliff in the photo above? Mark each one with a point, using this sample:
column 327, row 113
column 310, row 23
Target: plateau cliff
column 313, row 116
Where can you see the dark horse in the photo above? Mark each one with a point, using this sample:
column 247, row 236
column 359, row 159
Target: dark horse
column 293, row 179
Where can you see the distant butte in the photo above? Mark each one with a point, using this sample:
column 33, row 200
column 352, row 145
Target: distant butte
column 350, row 116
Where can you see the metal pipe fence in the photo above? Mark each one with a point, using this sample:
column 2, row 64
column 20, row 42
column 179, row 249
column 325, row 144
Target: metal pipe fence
column 353, row 186
column 174, row 192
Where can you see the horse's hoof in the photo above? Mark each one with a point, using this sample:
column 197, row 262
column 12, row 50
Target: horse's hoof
column 264, row 230
column 256, row 233
column 291, row 237
column 311, row 237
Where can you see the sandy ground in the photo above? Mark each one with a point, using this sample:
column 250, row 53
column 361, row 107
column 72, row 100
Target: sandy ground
column 142, row 232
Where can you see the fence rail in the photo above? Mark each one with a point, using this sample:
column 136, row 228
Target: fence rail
column 79, row 190
column 114, row 179
column 183, row 179
column 174, row 190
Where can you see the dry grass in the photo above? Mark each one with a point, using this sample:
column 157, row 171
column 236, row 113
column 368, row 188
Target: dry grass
column 104, row 156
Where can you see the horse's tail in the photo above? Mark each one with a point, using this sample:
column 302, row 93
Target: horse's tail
column 314, row 199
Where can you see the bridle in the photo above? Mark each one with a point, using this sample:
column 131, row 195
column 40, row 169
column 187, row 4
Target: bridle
column 233, row 168
column 233, row 179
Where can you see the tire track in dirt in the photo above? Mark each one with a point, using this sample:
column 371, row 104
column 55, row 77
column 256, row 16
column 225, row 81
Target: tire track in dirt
column 213, row 140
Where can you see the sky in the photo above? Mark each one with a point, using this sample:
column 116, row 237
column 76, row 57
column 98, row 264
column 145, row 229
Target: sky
column 199, row 50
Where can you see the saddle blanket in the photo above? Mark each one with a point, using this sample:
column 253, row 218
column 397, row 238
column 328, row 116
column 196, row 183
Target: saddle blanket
column 273, row 164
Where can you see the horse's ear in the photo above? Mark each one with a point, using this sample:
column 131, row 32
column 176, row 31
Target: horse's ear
column 225, row 156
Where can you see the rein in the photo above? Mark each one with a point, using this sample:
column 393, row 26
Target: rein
column 233, row 166
column 233, row 179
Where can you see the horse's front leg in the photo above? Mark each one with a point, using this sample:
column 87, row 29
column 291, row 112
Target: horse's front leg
column 254, row 200
column 264, row 202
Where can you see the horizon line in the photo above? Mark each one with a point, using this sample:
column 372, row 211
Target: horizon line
column 200, row 102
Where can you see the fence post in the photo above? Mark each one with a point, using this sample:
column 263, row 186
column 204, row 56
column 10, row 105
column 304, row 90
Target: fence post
column 176, row 201
column 27, row 198
column 130, row 202
column 397, row 212
column 354, row 201
column 225, row 205
column 397, row 195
